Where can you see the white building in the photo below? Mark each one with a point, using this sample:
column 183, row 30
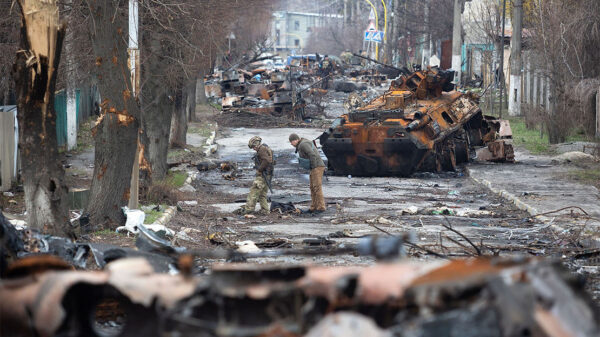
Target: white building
column 290, row 30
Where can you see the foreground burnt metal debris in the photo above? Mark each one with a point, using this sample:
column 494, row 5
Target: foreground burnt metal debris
column 129, row 292
column 475, row 297
column 419, row 124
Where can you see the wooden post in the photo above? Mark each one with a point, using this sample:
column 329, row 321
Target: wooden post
column 598, row 113
column 135, row 180
column 134, row 66
column 547, row 94
column 534, row 97
column 526, row 86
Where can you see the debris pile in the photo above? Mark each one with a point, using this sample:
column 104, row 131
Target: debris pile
column 294, row 89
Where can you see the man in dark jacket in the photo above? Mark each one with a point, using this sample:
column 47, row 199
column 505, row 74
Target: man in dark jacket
column 310, row 159
column 263, row 163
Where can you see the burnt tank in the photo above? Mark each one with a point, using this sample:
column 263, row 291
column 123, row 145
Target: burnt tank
column 419, row 124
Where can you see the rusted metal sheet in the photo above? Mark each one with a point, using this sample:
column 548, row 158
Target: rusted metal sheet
column 256, row 89
column 489, row 297
column 212, row 90
column 496, row 151
column 230, row 101
column 419, row 124
column 47, row 303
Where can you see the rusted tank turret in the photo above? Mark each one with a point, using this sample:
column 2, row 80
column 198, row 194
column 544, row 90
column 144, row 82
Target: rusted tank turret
column 419, row 124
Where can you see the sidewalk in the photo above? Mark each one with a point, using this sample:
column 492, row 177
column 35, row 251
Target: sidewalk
column 537, row 185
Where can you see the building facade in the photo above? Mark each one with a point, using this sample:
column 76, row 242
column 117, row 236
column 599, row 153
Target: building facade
column 290, row 30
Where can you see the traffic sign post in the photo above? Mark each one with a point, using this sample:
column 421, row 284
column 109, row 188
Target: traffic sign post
column 377, row 37
column 373, row 36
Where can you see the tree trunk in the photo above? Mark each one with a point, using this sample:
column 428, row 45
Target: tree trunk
column 557, row 126
column 200, row 91
column 35, row 80
column 156, row 112
column 190, row 100
column 405, row 40
column 179, row 121
column 388, row 45
column 115, row 135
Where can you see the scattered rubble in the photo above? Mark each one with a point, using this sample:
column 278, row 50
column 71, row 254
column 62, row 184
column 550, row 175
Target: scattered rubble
column 573, row 157
column 295, row 91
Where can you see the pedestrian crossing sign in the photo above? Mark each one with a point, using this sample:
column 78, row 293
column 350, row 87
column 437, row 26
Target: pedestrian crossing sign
column 374, row 36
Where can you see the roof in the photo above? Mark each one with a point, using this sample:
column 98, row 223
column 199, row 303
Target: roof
column 335, row 16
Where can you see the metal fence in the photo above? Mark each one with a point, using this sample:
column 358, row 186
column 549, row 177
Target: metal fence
column 9, row 141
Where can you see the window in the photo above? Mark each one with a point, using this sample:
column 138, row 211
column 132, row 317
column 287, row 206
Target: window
column 278, row 37
column 296, row 25
column 308, row 29
column 297, row 43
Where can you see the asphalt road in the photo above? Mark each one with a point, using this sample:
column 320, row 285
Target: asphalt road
column 449, row 213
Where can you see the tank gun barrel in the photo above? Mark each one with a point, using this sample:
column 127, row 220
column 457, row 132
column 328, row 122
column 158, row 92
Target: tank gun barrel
column 403, row 70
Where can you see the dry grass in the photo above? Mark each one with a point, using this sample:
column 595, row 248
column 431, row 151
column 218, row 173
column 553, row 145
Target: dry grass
column 163, row 193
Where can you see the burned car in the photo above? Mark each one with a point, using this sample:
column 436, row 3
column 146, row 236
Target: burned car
column 419, row 124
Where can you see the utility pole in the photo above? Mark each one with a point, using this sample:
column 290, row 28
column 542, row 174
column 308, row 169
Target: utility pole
column 71, row 94
column 392, row 46
column 501, row 70
column 134, row 66
column 457, row 41
column 427, row 38
column 514, row 95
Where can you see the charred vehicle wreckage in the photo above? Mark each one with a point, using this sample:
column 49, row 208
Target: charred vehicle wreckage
column 419, row 124
column 133, row 294
column 486, row 297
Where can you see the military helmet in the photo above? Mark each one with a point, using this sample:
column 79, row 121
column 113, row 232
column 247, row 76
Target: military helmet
column 254, row 141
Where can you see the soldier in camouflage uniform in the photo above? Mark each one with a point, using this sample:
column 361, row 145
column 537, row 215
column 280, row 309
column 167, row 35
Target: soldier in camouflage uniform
column 310, row 159
column 263, row 162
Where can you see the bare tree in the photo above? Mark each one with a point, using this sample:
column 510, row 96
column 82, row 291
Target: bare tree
column 181, row 40
column 405, row 32
column 9, row 43
column 566, row 35
column 336, row 37
column 35, row 73
column 115, row 133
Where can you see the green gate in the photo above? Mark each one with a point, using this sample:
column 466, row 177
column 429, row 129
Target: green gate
column 60, row 107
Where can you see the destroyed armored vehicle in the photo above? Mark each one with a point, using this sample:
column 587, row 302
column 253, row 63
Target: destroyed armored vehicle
column 420, row 124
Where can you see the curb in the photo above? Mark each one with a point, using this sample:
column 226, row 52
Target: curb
column 166, row 217
column 518, row 203
column 507, row 195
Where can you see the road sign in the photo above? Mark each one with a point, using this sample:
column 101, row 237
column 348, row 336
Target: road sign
column 371, row 27
column 371, row 15
column 374, row 36
column 377, row 37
